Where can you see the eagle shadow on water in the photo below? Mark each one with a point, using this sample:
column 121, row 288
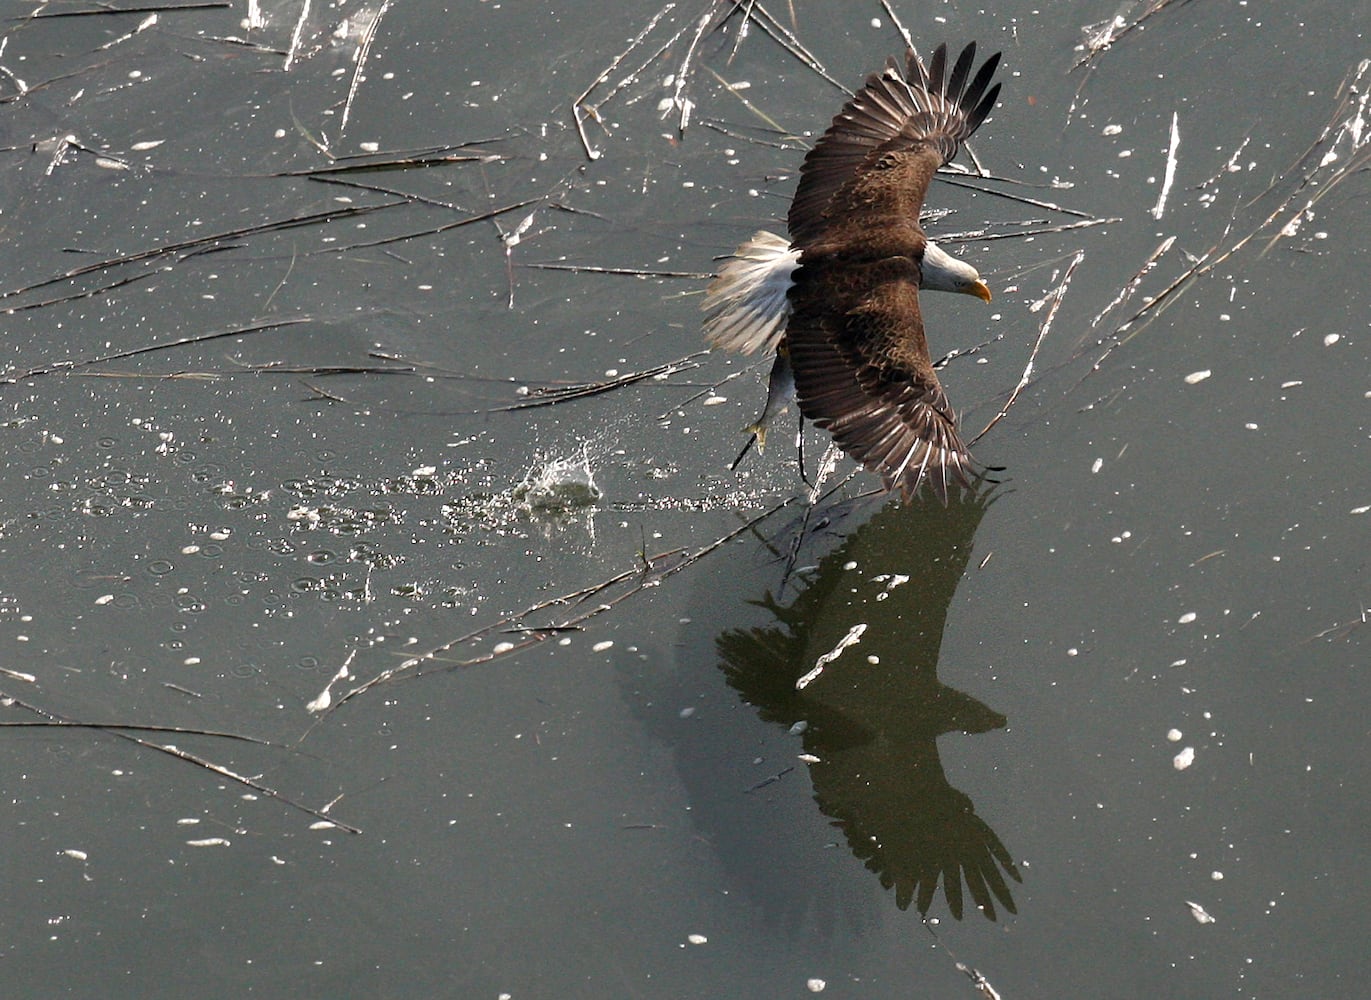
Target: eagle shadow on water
column 872, row 716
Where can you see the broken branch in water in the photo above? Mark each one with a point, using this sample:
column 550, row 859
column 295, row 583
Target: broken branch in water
column 1349, row 127
column 1131, row 286
column 1170, row 177
column 1057, row 296
column 712, row 18
column 732, row 130
column 899, row 25
column 199, row 243
column 953, row 177
column 630, row 271
column 580, row 110
column 784, row 37
column 1343, row 148
column 651, row 573
column 770, row 122
column 560, row 394
column 712, row 390
column 396, row 161
column 1342, row 629
column 359, row 62
column 47, row 15
column 679, row 101
column 1102, row 36
column 126, row 733
column 1029, row 227
column 57, row 722
column 199, row 338
column 415, row 234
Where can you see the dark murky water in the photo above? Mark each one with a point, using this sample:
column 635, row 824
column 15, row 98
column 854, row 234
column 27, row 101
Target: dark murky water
column 260, row 423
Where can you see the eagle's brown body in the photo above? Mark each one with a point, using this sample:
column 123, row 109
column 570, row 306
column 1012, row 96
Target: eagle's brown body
column 854, row 335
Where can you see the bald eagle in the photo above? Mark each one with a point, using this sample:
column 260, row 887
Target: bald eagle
column 839, row 301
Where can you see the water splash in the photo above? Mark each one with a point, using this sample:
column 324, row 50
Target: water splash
column 559, row 489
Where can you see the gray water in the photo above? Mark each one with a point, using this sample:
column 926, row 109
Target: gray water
column 1103, row 732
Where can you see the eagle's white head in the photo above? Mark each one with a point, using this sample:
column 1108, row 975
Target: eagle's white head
column 944, row 273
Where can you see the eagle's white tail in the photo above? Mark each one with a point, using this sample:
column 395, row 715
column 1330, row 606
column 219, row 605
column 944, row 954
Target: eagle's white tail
column 745, row 307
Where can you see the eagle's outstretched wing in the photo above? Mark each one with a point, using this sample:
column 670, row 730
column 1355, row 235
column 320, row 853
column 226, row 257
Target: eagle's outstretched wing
column 918, row 104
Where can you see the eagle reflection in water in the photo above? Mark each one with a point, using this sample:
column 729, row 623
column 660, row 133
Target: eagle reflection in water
column 873, row 715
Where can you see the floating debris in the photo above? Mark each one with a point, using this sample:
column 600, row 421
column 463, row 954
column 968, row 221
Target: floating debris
column 324, row 700
column 854, row 635
column 1199, row 913
column 1170, row 177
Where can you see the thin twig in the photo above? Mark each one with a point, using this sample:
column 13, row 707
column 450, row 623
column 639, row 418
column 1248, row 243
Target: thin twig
column 581, row 390
column 359, row 63
column 170, row 249
column 122, row 732
column 48, row 15
column 296, row 35
column 1038, row 229
column 578, row 106
column 1101, row 37
column 1131, row 286
column 784, row 37
column 415, row 234
column 199, row 338
column 1170, row 176
column 678, row 99
column 1347, row 122
column 657, row 569
column 631, row 271
column 1027, row 376
column 899, row 26
column 951, row 177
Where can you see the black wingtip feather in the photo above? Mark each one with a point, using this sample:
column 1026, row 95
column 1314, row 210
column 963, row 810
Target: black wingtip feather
column 972, row 97
column 935, row 69
column 978, row 114
column 957, row 82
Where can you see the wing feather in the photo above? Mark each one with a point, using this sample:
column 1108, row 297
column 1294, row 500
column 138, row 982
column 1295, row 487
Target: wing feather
column 900, row 107
column 956, row 84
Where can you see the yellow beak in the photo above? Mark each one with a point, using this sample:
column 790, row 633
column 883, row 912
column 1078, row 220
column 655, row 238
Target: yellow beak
column 979, row 289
